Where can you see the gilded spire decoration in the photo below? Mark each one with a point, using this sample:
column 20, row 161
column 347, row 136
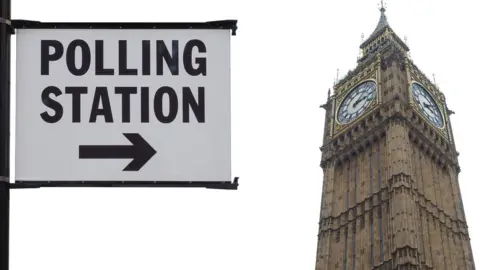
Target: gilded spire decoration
column 360, row 50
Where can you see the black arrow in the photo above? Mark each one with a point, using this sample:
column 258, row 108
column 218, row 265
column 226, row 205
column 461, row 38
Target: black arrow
column 139, row 151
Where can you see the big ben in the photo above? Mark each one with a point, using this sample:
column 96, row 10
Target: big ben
column 390, row 197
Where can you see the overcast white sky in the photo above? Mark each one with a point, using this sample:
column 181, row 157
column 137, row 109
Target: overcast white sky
column 284, row 59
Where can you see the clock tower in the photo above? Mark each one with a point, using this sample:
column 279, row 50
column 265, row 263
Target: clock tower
column 391, row 196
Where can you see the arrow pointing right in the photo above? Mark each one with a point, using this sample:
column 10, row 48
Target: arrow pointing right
column 139, row 151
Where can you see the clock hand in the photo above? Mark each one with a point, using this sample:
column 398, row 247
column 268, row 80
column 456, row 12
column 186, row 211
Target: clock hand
column 429, row 107
column 358, row 101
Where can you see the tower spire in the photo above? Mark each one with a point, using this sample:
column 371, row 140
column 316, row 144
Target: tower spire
column 381, row 25
column 383, row 18
column 381, row 28
column 382, row 6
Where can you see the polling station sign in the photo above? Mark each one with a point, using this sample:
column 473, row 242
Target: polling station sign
column 105, row 104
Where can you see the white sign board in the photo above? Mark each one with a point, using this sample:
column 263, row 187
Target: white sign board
column 123, row 105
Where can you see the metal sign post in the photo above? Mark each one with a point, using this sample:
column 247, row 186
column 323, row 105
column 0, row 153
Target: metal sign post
column 5, row 32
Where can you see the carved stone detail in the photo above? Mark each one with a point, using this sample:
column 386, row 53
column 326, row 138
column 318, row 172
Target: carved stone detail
column 393, row 54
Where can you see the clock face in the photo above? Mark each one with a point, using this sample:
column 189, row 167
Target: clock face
column 356, row 102
column 427, row 105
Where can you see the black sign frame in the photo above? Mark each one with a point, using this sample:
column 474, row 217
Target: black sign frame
column 222, row 24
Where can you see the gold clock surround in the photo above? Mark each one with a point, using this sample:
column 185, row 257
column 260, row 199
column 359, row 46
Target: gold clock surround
column 339, row 104
column 440, row 105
